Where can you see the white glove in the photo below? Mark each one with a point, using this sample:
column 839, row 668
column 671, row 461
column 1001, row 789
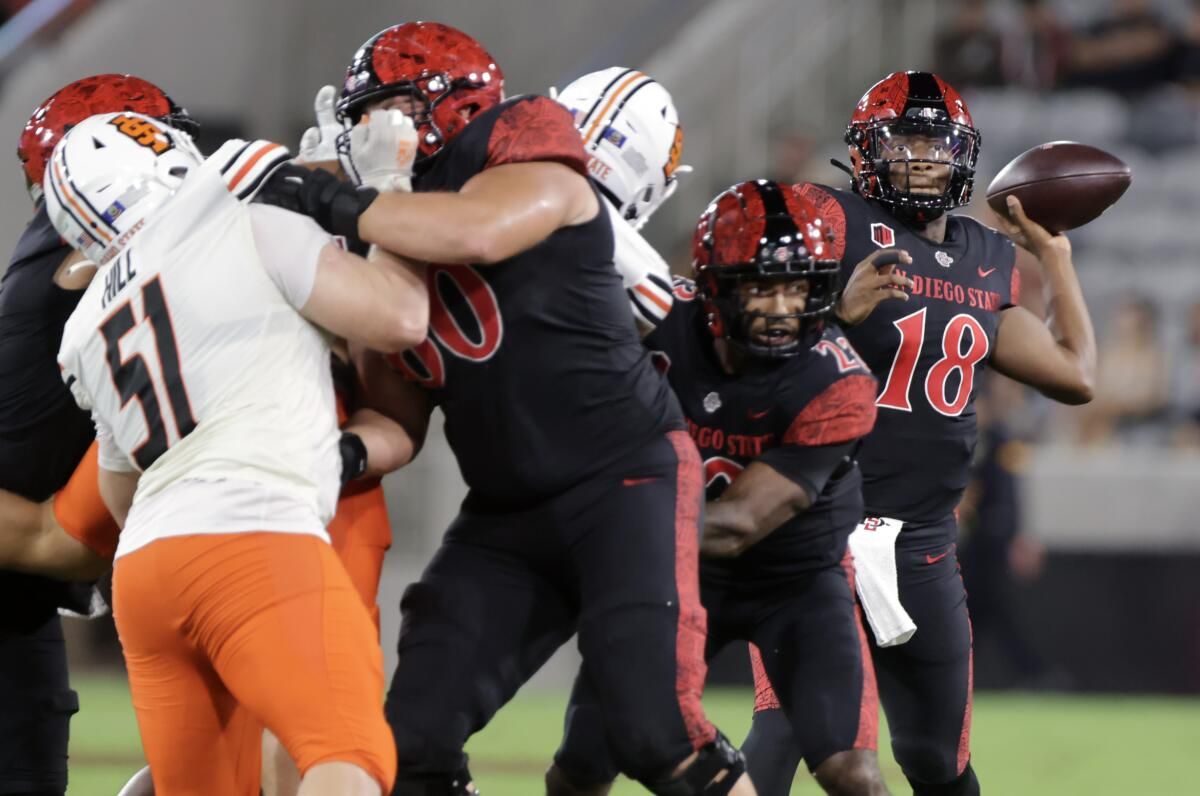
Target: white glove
column 383, row 147
column 319, row 144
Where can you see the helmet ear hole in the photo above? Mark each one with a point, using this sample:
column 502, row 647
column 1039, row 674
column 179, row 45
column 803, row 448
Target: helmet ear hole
column 178, row 172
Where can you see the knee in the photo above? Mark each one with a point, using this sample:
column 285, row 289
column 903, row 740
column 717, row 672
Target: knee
column 851, row 773
column 925, row 760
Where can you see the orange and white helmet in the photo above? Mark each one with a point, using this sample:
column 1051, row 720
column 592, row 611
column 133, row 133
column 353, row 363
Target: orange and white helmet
column 108, row 174
column 632, row 136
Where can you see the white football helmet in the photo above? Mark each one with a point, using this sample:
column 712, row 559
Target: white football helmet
column 632, row 136
column 108, row 174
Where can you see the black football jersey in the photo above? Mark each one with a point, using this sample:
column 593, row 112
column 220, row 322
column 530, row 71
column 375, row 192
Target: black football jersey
column 927, row 353
column 772, row 412
column 541, row 376
column 43, row 434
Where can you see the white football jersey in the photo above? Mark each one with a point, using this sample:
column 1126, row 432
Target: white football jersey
column 200, row 371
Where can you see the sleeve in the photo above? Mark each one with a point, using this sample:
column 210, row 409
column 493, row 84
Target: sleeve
column 843, row 412
column 110, row 457
column 683, row 292
column 535, row 129
column 645, row 274
column 245, row 165
column 809, row 466
column 289, row 247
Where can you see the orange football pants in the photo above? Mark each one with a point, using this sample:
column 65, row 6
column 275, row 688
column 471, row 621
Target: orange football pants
column 361, row 535
column 225, row 634
column 81, row 512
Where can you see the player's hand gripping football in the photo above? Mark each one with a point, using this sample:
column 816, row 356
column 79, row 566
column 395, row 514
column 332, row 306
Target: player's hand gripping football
column 1028, row 234
column 319, row 144
column 380, row 151
column 873, row 280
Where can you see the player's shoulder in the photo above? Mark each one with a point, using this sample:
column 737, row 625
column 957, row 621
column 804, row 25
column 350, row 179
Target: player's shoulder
column 829, row 397
column 677, row 329
column 529, row 128
column 974, row 226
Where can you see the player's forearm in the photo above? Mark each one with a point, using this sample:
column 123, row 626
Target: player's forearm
column 731, row 526
column 389, row 446
column 1068, row 319
column 432, row 227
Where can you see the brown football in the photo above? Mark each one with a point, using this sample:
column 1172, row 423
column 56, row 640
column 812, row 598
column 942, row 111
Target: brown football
column 1062, row 184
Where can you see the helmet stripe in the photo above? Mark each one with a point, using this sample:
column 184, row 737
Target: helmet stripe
column 611, row 100
column 779, row 221
column 617, row 111
column 600, row 98
column 83, row 197
column 66, row 195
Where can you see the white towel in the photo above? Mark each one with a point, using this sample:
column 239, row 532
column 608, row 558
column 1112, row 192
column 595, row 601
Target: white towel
column 873, row 545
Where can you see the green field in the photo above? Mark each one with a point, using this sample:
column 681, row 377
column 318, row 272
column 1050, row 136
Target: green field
column 1053, row 745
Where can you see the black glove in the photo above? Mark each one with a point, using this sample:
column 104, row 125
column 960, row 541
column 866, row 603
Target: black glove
column 316, row 193
column 354, row 456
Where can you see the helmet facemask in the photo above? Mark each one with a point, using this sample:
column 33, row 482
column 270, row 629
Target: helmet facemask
column 723, row 295
column 884, row 172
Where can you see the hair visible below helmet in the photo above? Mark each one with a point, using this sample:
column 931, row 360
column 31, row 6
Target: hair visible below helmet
column 108, row 174
column 439, row 66
column 632, row 136
column 912, row 103
column 76, row 101
column 763, row 230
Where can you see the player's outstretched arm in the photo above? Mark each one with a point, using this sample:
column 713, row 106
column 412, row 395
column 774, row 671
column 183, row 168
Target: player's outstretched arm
column 498, row 213
column 31, row 540
column 385, row 391
column 758, row 501
column 380, row 302
column 1057, row 357
column 388, row 444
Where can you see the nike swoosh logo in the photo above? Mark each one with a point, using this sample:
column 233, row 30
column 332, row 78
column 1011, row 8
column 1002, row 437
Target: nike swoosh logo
column 985, row 274
column 758, row 415
column 934, row 559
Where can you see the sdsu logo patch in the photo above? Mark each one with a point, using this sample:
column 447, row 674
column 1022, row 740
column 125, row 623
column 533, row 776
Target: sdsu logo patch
column 882, row 235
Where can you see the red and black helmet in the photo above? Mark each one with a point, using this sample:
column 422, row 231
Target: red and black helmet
column 443, row 68
column 912, row 104
column 76, row 101
column 761, row 230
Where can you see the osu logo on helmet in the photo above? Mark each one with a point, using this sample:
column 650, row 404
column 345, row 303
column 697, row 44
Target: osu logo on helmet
column 913, row 126
column 449, row 75
column 74, row 102
column 761, row 230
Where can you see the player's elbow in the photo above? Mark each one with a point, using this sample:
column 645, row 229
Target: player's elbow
column 405, row 331
column 485, row 244
column 1079, row 389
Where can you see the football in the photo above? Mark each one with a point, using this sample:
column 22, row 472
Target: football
column 1062, row 185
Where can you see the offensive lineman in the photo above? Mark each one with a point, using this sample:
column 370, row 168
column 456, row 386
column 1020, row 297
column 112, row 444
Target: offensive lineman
column 197, row 351
column 913, row 148
column 570, row 442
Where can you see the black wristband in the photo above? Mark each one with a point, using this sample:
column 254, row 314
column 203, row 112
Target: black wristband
column 354, row 456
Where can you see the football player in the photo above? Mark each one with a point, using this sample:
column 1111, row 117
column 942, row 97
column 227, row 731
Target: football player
column 47, row 452
column 777, row 401
column 913, row 148
column 634, row 141
column 201, row 350
column 584, row 486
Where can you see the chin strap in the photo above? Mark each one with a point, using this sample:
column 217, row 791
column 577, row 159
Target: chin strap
column 839, row 164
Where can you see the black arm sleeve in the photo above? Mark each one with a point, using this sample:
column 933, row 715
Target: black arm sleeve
column 810, row 466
